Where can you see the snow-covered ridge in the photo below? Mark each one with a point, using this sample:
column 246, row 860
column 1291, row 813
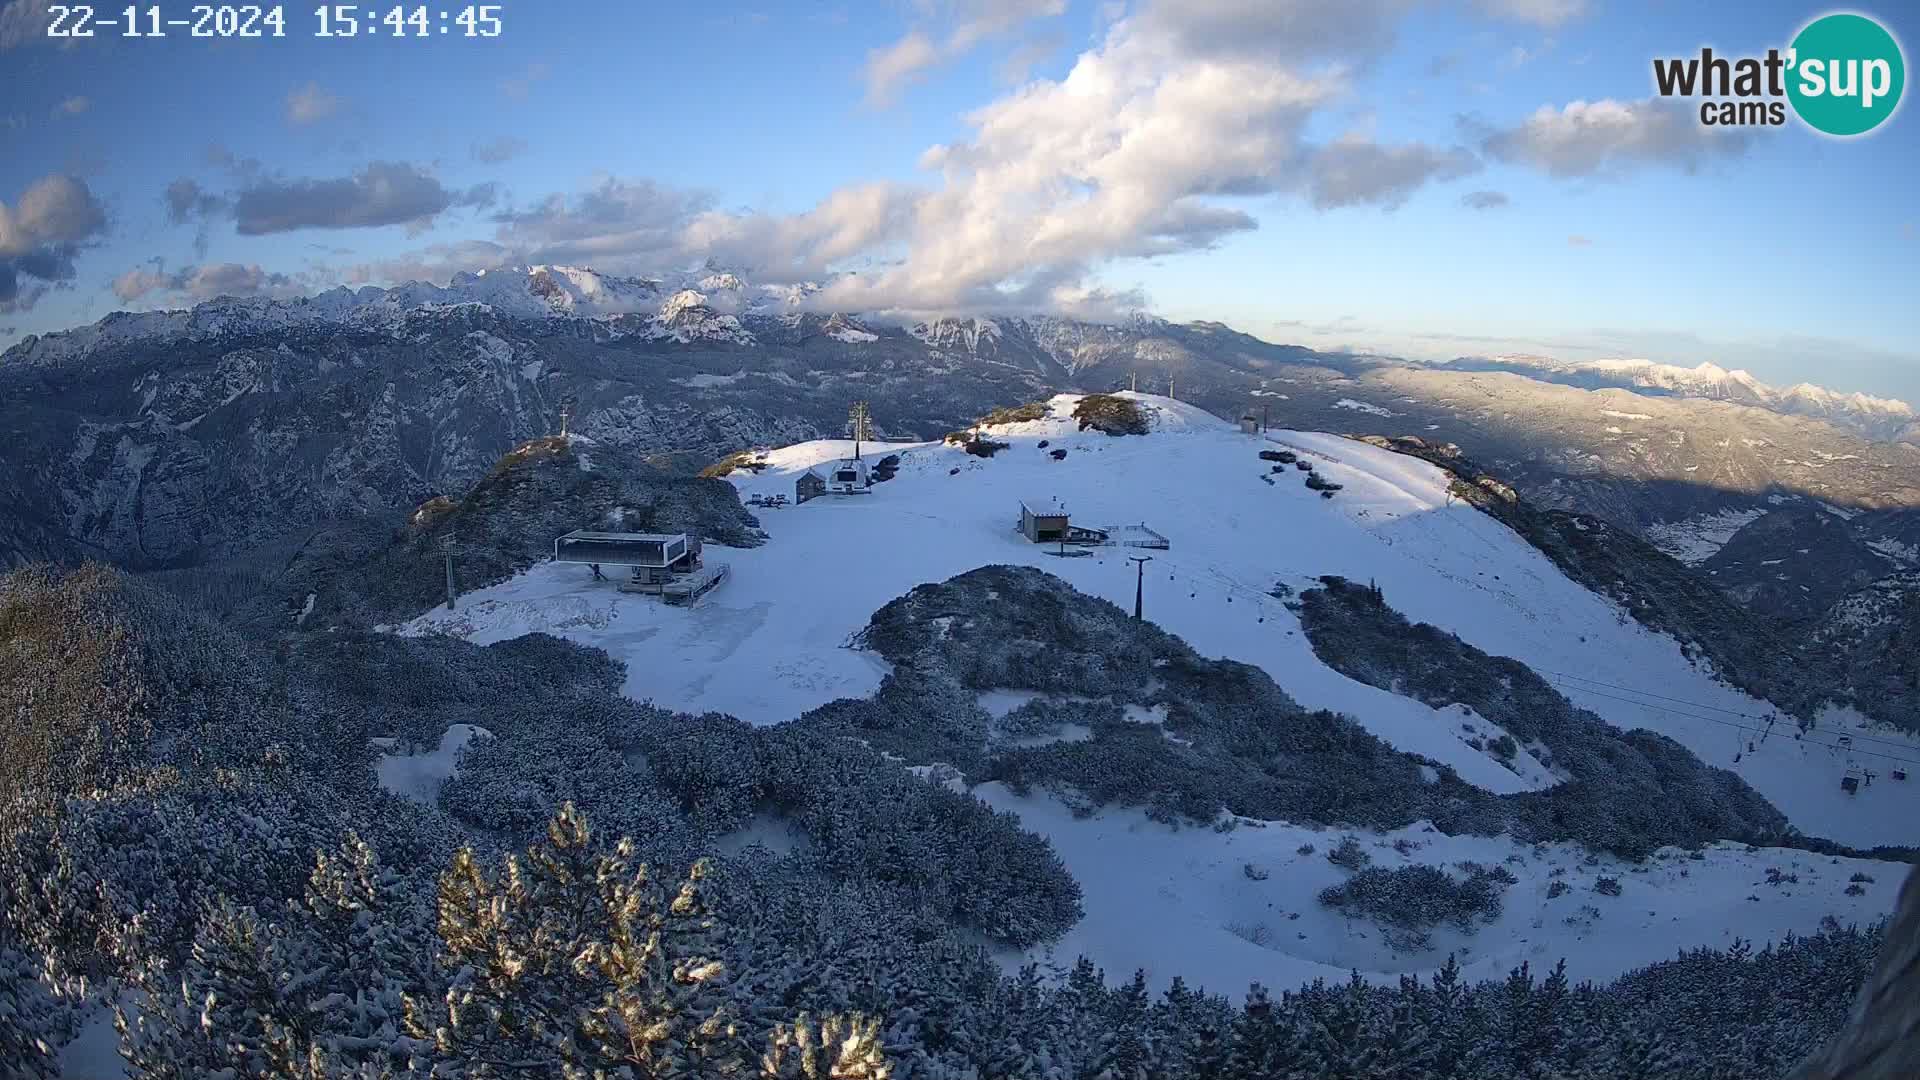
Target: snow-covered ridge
column 689, row 306
column 1886, row 417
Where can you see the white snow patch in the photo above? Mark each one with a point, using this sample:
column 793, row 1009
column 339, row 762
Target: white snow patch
column 1361, row 406
column 419, row 776
column 1694, row 540
column 705, row 380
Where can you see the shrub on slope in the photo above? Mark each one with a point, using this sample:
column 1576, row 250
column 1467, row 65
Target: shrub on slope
column 1228, row 738
column 102, row 676
column 1111, row 414
column 1638, row 784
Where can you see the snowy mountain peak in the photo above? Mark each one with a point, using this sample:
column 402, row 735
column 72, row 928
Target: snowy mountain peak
column 1877, row 417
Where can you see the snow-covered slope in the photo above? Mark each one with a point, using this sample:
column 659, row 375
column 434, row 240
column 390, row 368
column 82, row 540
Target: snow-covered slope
column 772, row 643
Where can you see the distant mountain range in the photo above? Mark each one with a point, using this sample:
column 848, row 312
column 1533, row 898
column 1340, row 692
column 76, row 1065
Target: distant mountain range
column 154, row 438
column 1874, row 417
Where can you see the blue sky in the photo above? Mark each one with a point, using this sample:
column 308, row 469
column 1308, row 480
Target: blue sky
column 1386, row 175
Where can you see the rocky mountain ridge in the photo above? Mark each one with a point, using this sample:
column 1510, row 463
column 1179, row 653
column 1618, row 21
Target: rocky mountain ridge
column 156, row 438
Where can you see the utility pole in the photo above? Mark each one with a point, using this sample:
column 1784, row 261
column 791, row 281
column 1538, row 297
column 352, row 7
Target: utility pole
column 566, row 417
column 1264, row 410
column 1133, row 381
column 449, row 550
column 1139, row 580
column 1170, row 392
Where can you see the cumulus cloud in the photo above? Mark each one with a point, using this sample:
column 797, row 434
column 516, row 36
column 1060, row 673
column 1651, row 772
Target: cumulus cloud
column 495, row 151
column 310, row 104
column 201, row 282
column 41, row 233
column 891, row 68
column 1152, row 144
column 1610, row 137
column 1484, row 200
column 383, row 193
column 1163, row 138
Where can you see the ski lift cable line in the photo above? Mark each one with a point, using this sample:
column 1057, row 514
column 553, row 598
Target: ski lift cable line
column 1716, row 708
column 1758, row 731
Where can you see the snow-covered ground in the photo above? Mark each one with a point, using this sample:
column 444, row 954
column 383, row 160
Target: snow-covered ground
column 771, row 643
column 1696, row 539
column 419, row 776
column 1194, row 902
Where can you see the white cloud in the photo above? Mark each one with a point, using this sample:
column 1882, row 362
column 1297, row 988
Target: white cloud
column 615, row 224
column 1353, row 171
column 202, row 282
column 891, row 68
column 1538, row 12
column 1606, row 137
column 41, row 233
column 72, row 106
column 310, row 104
column 1163, row 138
column 1153, row 143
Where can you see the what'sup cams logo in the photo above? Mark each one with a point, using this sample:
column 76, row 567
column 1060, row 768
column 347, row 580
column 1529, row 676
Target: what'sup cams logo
column 1842, row 76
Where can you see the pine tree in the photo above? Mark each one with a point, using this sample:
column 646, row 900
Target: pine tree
column 580, row 958
column 33, row 1021
column 834, row 1048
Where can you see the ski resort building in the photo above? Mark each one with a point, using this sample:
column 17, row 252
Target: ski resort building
column 667, row 565
column 1045, row 521
column 848, row 476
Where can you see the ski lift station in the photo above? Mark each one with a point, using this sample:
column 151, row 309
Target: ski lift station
column 667, row 565
column 1044, row 521
column 848, row 476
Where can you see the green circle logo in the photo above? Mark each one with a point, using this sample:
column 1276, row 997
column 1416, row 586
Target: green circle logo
column 1845, row 74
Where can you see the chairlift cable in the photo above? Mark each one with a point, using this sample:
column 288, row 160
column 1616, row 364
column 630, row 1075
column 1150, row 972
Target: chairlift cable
column 1743, row 727
column 1715, row 708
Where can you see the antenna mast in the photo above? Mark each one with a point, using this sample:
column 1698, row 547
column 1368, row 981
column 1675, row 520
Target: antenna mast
column 860, row 422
